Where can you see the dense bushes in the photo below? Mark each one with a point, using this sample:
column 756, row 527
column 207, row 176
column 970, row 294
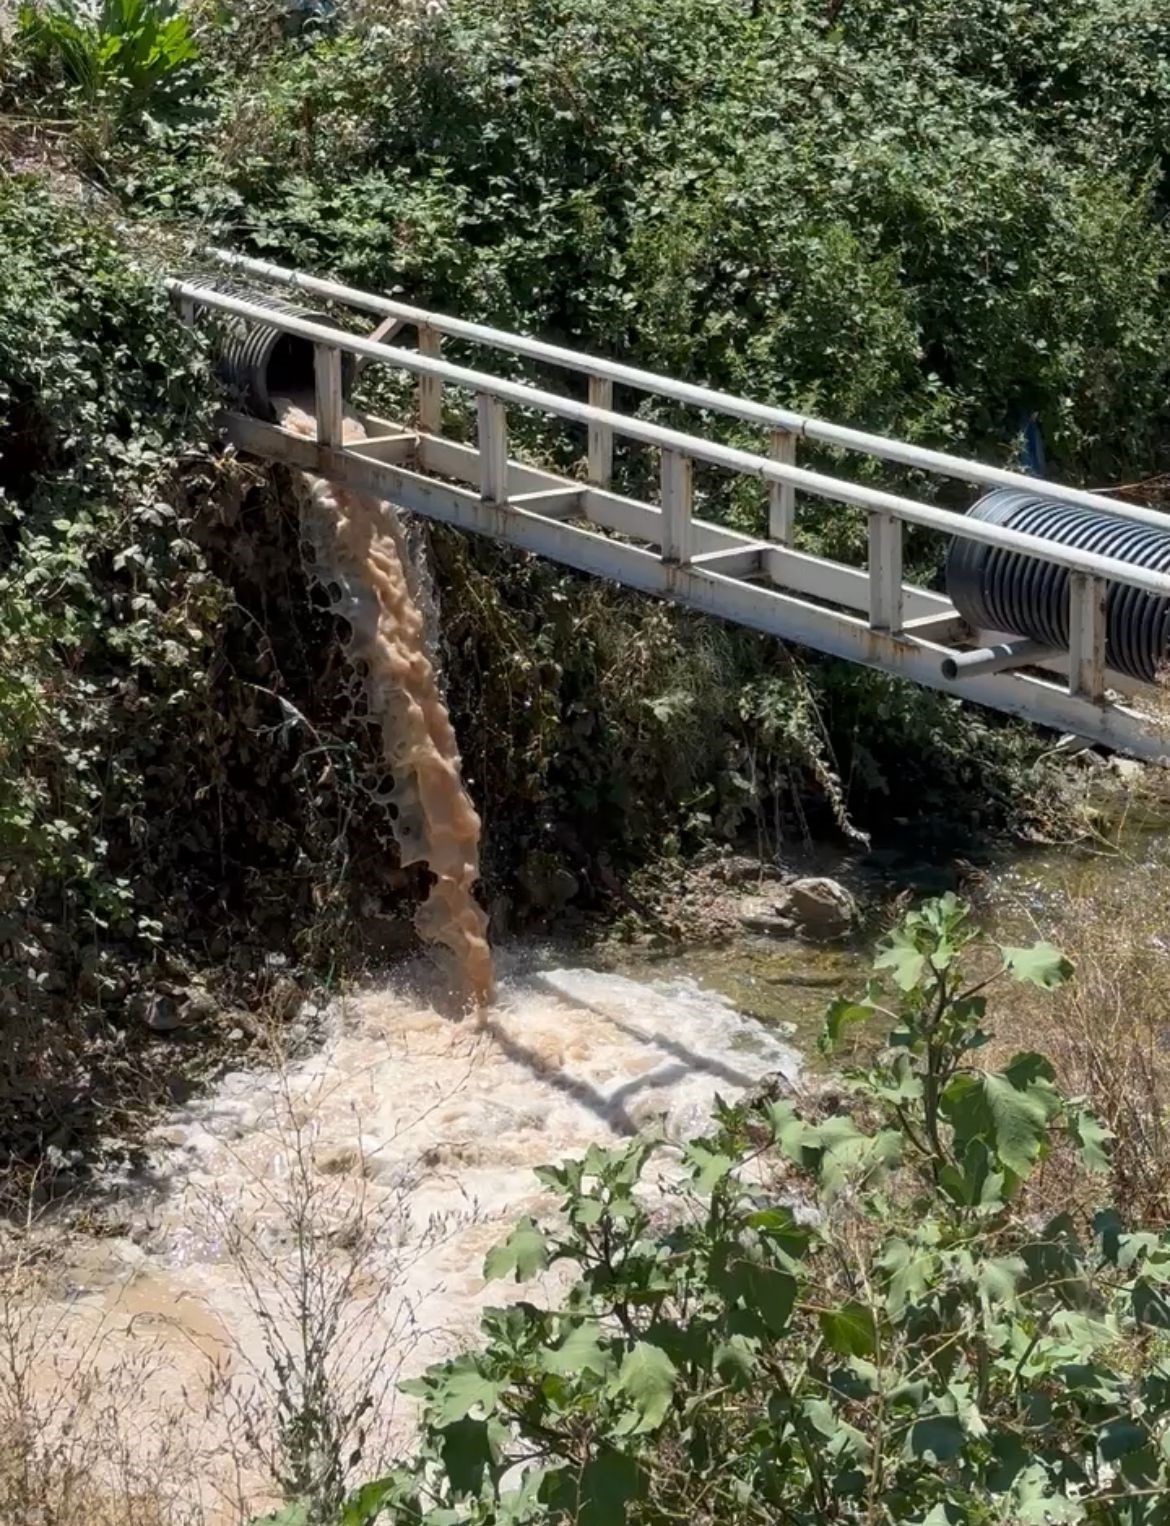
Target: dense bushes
column 936, row 221
column 163, row 802
column 940, row 220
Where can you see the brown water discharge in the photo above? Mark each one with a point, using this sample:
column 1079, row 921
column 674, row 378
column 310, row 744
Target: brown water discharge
column 360, row 557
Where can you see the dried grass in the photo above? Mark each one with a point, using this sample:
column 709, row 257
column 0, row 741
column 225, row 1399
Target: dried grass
column 1108, row 1031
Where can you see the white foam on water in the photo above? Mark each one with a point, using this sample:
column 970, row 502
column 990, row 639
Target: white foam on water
column 410, row 1140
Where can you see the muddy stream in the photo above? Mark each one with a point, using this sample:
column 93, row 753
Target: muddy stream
column 363, row 1184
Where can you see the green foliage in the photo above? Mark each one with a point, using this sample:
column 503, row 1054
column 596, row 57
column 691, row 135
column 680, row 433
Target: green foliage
column 852, row 1317
column 930, row 219
column 867, row 217
column 936, row 220
column 126, row 56
column 164, row 798
column 98, row 394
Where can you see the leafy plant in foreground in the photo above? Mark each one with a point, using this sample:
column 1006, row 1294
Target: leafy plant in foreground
column 811, row 1316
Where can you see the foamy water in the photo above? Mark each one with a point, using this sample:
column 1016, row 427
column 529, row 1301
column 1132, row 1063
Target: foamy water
column 401, row 1152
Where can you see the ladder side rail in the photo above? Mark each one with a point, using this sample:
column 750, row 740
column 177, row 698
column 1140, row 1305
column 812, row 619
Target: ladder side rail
column 804, row 426
column 696, row 448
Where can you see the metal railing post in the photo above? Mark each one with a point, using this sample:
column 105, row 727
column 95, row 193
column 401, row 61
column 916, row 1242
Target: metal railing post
column 678, row 491
column 885, row 573
column 782, row 495
column 329, row 402
column 600, row 435
column 430, row 388
column 493, row 449
column 1087, row 627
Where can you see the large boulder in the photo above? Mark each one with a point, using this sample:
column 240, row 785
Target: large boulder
column 815, row 907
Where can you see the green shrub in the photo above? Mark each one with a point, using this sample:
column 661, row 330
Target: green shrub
column 126, row 56
column 937, row 220
column 826, row 1315
column 872, row 219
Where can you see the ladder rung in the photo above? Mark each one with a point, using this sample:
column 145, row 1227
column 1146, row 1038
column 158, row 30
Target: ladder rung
column 552, row 503
column 385, row 447
column 719, row 561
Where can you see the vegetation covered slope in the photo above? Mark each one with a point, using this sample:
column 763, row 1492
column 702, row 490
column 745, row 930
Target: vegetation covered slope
column 939, row 219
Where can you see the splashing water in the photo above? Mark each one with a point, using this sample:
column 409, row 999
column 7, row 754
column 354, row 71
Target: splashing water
column 360, row 557
column 389, row 1163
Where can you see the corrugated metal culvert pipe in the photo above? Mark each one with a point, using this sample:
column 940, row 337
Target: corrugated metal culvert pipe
column 1008, row 591
column 261, row 363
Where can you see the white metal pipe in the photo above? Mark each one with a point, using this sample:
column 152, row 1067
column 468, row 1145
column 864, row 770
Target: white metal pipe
column 997, row 659
column 693, row 446
column 940, row 462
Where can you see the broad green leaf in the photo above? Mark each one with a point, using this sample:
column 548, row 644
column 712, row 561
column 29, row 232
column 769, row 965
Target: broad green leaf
column 974, row 1181
column 587, row 1211
column 769, row 1292
column 1038, row 1501
column 841, row 1015
column 598, row 1493
column 1092, row 1380
column 904, row 960
column 523, row 1504
column 457, row 1388
column 791, row 1133
column 292, row 1515
column 468, row 1452
column 524, row 1252
column 708, row 1165
column 850, row 1330
column 735, row 1361
column 363, row 1506
column 1150, row 1305
column 1028, row 1070
column 1040, row 965
column 1078, row 1335
column 843, row 1442
column 1000, row 1276
column 910, row 1269
column 1092, row 1138
column 1012, row 1121
column 646, row 1379
column 857, row 1158
column 967, row 1410
column 897, row 1082
column 939, row 1438
column 1118, row 1437
column 580, row 1351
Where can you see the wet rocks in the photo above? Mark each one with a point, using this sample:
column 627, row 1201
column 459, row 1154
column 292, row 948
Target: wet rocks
column 548, row 885
column 815, row 907
column 740, row 869
column 170, row 1008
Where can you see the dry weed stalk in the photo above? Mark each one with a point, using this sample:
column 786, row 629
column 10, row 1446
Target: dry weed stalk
column 76, row 1448
column 324, row 1249
column 1108, row 1031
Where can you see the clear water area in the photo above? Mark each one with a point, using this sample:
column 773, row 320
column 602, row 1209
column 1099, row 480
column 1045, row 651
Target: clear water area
column 1019, row 894
column 405, row 1147
column 782, row 985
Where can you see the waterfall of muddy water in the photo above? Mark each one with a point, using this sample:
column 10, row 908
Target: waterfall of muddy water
column 404, row 1149
column 360, row 558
